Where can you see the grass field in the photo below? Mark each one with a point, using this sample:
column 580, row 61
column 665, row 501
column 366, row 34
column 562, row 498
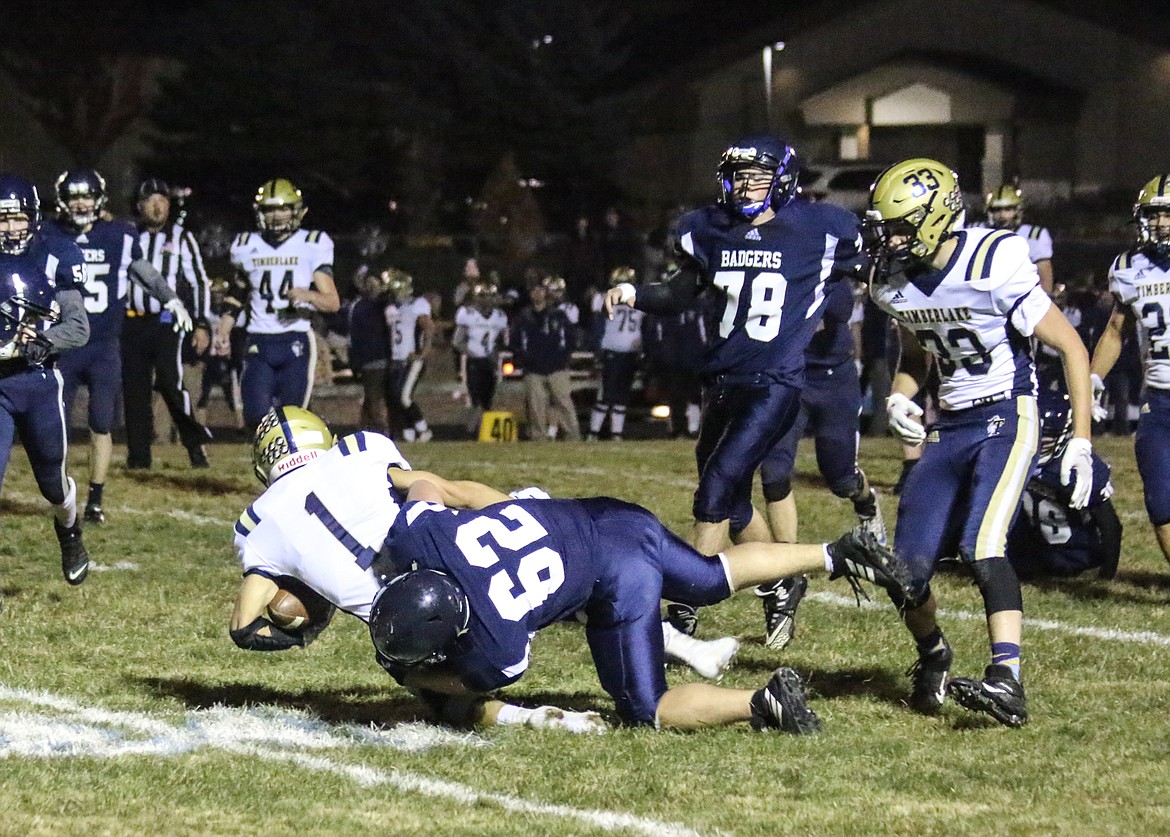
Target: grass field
column 125, row 708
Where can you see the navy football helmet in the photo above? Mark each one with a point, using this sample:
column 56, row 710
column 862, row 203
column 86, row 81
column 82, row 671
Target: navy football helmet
column 417, row 617
column 779, row 165
column 18, row 197
column 27, row 305
column 77, row 184
column 1056, row 424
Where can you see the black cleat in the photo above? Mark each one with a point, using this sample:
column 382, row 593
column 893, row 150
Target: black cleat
column 929, row 678
column 858, row 555
column 683, row 618
column 781, row 705
column 999, row 694
column 780, row 601
column 94, row 514
column 74, row 558
column 198, row 456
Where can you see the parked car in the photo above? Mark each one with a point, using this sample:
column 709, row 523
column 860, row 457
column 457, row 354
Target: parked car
column 845, row 184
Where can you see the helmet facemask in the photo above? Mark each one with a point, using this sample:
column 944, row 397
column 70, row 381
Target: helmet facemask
column 755, row 174
column 81, row 197
column 279, row 209
column 1154, row 229
column 16, row 240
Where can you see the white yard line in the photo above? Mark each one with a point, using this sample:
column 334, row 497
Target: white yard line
column 1140, row 637
column 72, row 729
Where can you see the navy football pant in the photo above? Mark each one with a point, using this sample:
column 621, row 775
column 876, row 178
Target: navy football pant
column 830, row 405
column 741, row 422
column 278, row 371
column 31, row 403
column 1152, row 449
column 964, row 494
column 97, row 367
column 643, row 563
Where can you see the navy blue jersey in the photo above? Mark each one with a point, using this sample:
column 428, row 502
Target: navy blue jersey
column 832, row 343
column 52, row 258
column 773, row 279
column 523, row 565
column 109, row 248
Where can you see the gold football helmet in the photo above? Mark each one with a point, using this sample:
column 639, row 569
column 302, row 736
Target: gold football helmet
column 398, row 283
column 287, row 438
column 623, row 274
column 1005, row 207
column 279, row 207
column 556, row 287
column 1152, row 214
column 914, row 206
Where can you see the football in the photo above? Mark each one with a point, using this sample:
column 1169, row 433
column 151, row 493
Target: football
column 287, row 611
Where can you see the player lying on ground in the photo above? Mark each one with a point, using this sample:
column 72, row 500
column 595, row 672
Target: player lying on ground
column 321, row 522
column 475, row 586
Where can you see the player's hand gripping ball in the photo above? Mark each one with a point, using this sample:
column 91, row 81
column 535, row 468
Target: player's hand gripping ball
column 286, row 611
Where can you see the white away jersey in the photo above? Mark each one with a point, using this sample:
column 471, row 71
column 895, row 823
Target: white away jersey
column 483, row 333
column 402, row 320
column 273, row 271
column 623, row 332
column 324, row 522
column 1144, row 288
column 974, row 315
column 1038, row 238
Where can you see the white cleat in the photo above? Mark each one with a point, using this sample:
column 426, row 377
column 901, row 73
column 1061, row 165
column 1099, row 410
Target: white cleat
column 875, row 525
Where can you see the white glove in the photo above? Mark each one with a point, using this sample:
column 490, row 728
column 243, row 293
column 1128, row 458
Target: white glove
column 902, row 412
column 179, row 311
column 1078, row 457
column 623, row 294
column 551, row 717
column 1099, row 411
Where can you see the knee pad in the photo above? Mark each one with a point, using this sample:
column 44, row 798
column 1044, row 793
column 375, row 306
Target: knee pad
column 997, row 581
column 903, row 604
column 778, row 489
column 848, row 488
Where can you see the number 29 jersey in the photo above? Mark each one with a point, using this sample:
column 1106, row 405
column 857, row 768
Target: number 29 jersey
column 273, row 271
column 772, row 280
column 975, row 316
column 324, row 522
column 1143, row 286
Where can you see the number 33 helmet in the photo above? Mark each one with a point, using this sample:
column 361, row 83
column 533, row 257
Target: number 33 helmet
column 287, row 438
column 279, row 208
column 914, row 206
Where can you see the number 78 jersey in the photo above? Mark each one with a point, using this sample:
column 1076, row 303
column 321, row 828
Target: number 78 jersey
column 1143, row 286
column 273, row 271
column 975, row 316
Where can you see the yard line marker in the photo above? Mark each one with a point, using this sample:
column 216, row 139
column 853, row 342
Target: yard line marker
column 1140, row 637
column 274, row 735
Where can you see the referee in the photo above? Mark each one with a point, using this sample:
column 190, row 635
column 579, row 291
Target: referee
column 152, row 350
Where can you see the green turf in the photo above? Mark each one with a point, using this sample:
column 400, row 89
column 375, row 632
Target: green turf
column 153, row 641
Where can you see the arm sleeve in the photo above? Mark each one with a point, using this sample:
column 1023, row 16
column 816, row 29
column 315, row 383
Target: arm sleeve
column 72, row 330
column 673, row 296
column 146, row 275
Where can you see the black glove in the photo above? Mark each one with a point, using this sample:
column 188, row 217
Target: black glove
column 37, row 350
column 249, row 639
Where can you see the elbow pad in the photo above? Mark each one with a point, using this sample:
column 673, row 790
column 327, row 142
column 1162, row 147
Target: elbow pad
column 249, row 639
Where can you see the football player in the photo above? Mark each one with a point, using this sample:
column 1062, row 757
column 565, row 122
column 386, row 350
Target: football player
column 42, row 279
column 284, row 274
column 830, row 406
column 971, row 298
column 1051, row 538
column 480, row 326
column 322, row 521
column 1005, row 211
column 113, row 257
column 476, row 585
column 621, row 347
column 1139, row 279
column 770, row 260
column 408, row 318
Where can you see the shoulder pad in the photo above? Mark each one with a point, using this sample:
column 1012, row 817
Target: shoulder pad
column 979, row 265
column 365, row 441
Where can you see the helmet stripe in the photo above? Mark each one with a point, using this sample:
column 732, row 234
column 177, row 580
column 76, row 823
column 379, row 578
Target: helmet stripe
column 286, row 430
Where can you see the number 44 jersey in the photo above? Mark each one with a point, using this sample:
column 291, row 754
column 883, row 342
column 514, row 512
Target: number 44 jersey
column 273, row 271
column 975, row 316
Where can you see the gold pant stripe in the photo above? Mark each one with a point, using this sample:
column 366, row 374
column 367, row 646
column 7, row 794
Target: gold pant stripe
column 992, row 539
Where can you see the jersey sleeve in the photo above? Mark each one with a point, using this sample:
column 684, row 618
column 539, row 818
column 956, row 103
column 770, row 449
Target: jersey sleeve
column 69, row 272
column 376, row 444
column 422, row 307
column 253, row 543
column 1121, row 279
column 1014, row 285
column 1041, row 244
column 324, row 252
column 462, row 317
column 688, row 238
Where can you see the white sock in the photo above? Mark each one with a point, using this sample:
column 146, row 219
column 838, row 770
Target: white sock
column 511, row 715
column 66, row 513
column 828, row 558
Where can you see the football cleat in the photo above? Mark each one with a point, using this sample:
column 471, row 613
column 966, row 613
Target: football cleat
column 780, row 601
column 999, row 694
column 874, row 523
column 198, row 456
column 928, row 677
column 781, row 705
column 684, row 618
column 858, row 555
column 94, row 514
column 74, row 558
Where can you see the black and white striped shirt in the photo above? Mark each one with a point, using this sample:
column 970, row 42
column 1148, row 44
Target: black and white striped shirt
column 174, row 252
